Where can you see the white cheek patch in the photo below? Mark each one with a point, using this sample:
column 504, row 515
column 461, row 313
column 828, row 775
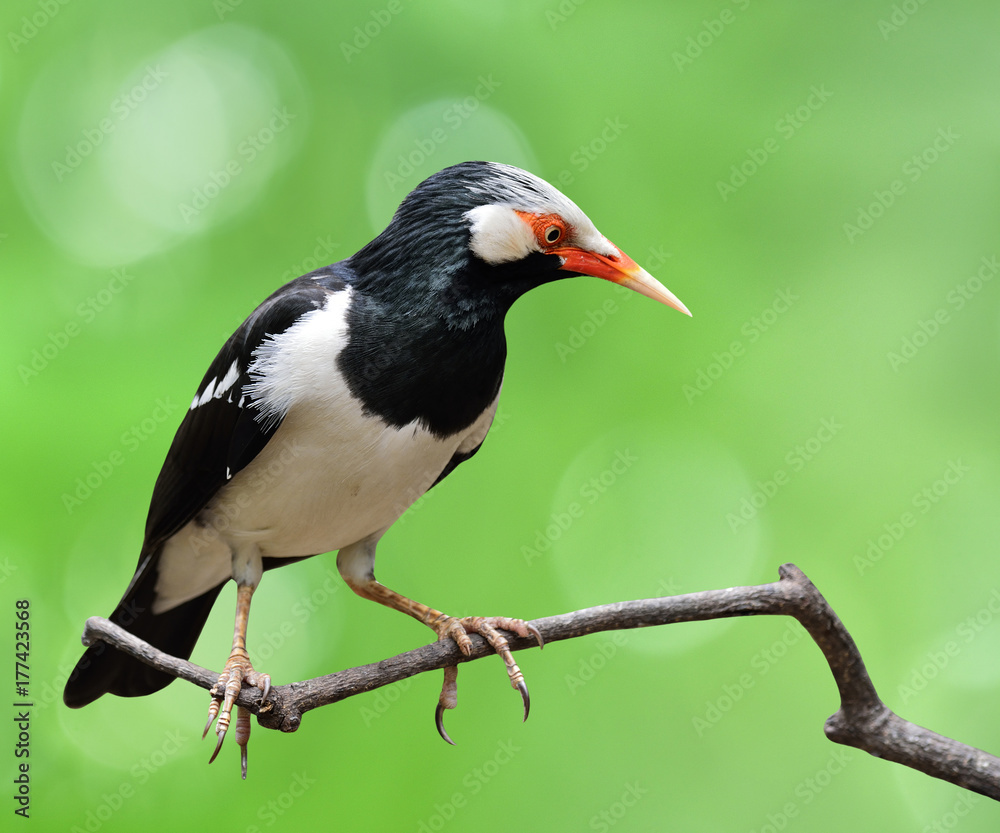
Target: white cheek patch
column 499, row 235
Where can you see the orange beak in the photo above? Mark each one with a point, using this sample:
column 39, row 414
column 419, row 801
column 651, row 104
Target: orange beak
column 619, row 269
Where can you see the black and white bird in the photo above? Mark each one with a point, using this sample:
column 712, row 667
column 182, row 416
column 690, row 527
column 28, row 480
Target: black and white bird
column 342, row 398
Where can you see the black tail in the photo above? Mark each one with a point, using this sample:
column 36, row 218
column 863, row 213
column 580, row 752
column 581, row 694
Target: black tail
column 103, row 669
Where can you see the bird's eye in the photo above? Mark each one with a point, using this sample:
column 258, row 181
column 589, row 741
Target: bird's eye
column 548, row 229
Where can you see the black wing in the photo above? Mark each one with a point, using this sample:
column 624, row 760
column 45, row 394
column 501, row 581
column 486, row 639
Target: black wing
column 223, row 432
column 219, row 436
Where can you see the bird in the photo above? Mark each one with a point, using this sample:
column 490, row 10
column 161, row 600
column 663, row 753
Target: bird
column 343, row 397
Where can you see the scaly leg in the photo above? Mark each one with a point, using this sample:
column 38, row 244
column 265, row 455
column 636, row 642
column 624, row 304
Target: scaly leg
column 355, row 565
column 238, row 671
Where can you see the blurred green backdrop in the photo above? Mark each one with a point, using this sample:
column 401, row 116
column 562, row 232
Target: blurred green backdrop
column 820, row 184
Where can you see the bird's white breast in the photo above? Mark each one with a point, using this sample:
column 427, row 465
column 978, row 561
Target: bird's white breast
column 330, row 477
column 331, row 474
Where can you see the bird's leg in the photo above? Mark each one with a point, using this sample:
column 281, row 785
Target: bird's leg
column 355, row 567
column 238, row 671
column 458, row 630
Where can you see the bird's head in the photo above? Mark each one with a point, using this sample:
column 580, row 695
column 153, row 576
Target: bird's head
column 499, row 230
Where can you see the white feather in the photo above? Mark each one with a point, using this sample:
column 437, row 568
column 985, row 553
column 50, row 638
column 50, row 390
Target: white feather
column 228, row 380
column 205, row 395
column 498, row 235
column 299, row 364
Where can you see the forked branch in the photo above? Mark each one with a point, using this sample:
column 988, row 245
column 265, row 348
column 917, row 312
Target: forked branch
column 862, row 721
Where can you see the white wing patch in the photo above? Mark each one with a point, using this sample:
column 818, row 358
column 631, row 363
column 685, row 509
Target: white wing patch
column 216, row 389
column 204, row 396
column 228, row 380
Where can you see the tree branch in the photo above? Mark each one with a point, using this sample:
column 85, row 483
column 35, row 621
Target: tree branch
column 862, row 721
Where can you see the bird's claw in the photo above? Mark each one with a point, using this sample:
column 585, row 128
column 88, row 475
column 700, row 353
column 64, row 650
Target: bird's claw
column 439, row 722
column 218, row 746
column 522, row 686
column 458, row 630
column 238, row 671
column 447, row 700
column 213, row 711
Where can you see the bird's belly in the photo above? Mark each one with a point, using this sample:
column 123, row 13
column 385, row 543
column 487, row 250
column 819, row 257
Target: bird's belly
column 320, row 485
column 329, row 477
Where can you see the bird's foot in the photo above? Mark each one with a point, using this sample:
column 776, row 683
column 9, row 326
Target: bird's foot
column 238, row 671
column 458, row 630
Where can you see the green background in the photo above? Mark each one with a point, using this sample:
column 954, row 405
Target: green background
column 841, row 362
